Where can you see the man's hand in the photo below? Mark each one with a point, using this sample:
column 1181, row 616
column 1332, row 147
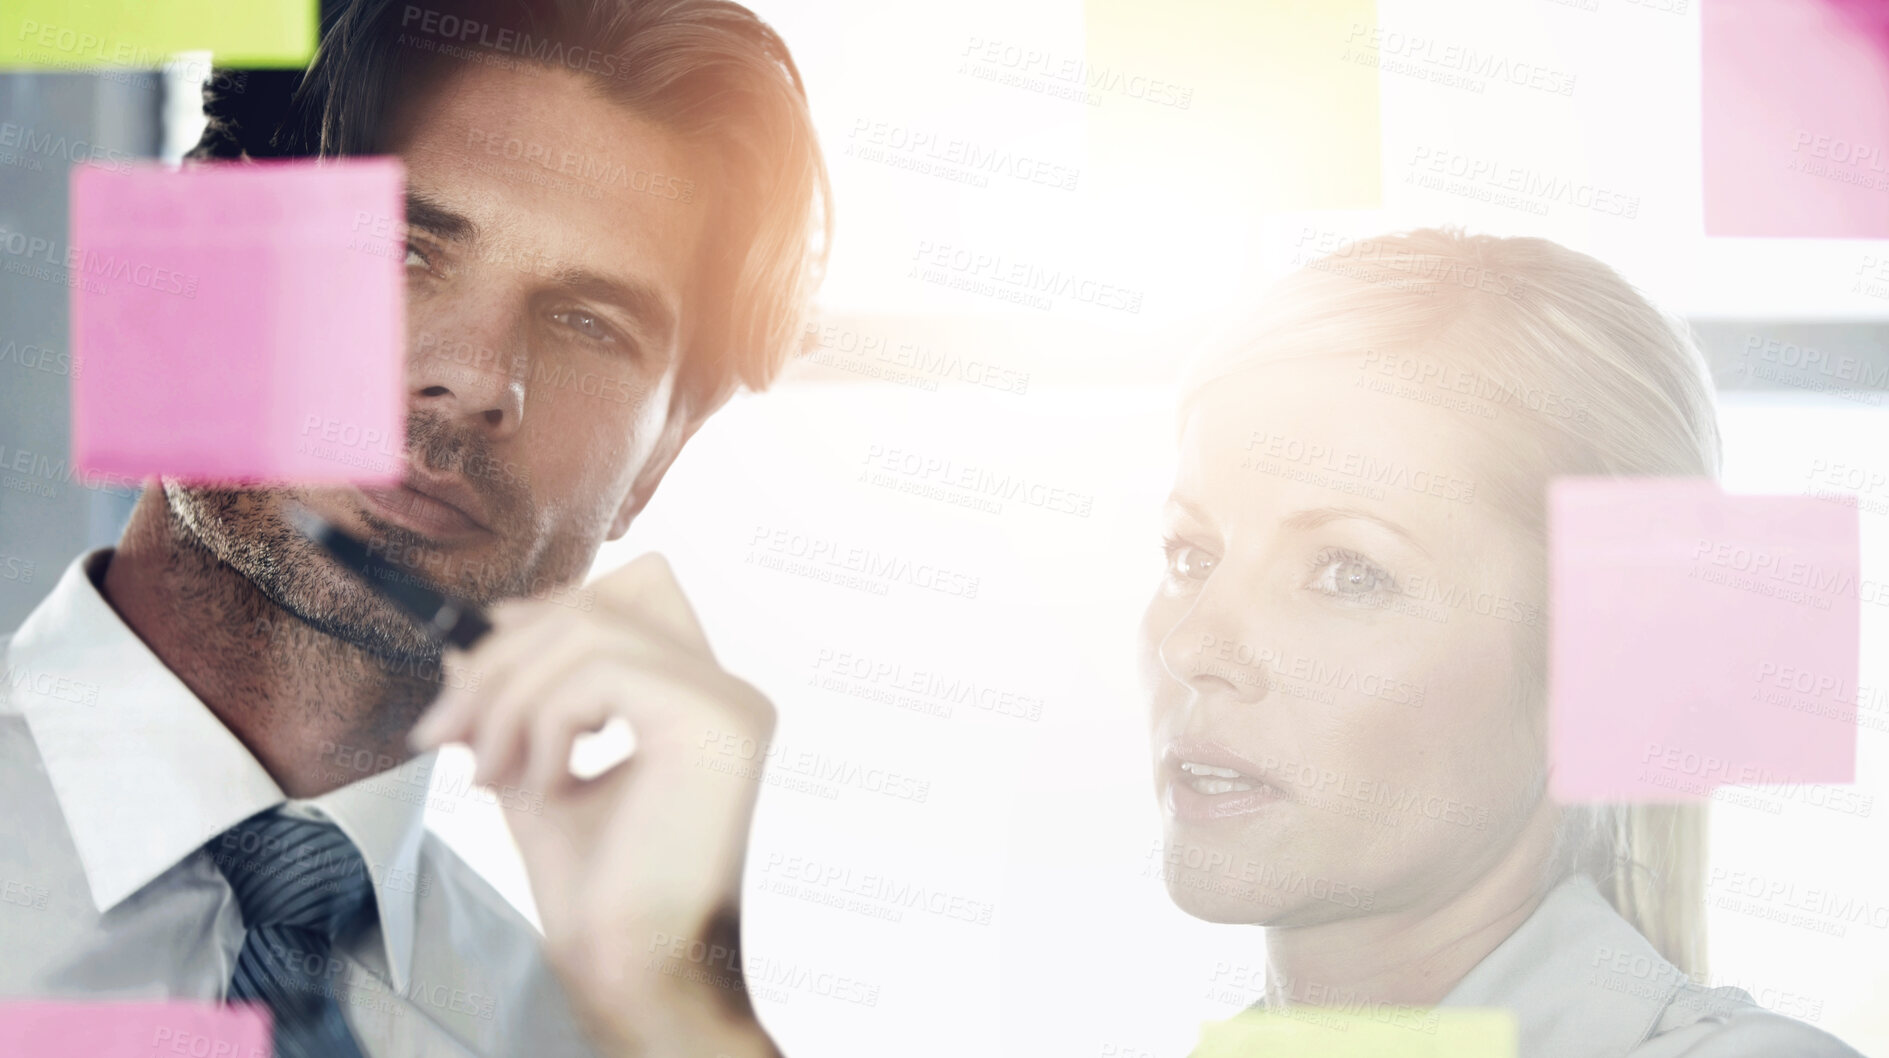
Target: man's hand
column 637, row 872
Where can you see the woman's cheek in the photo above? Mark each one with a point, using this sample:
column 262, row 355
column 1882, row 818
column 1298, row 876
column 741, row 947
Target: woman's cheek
column 1157, row 684
column 1471, row 755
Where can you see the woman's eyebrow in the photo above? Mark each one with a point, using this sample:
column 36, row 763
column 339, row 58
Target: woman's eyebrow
column 1176, row 503
column 1313, row 517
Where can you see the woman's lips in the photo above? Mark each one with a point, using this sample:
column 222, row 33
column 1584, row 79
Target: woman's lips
column 420, row 513
column 1206, row 781
column 1186, row 801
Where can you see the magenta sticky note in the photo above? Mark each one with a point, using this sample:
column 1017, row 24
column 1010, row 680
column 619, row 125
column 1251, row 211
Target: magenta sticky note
column 1699, row 639
column 132, row 1030
column 239, row 321
column 1795, row 126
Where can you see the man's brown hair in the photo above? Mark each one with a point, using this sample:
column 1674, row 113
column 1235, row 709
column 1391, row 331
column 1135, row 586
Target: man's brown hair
column 709, row 71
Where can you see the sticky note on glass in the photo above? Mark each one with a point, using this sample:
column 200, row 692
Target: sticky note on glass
column 95, row 34
column 240, row 322
column 1699, row 639
column 1382, row 1032
column 133, row 1030
column 1194, row 94
column 1796, row 122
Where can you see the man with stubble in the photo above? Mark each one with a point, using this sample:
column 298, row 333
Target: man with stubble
column 616, row 216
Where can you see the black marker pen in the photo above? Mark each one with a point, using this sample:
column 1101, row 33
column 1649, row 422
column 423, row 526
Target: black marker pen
column 447, row 618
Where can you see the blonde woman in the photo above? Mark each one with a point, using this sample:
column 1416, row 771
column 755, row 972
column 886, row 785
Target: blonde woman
column 1345, row 659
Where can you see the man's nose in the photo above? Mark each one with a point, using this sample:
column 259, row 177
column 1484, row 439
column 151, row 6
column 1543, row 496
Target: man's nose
column 1214, row 648
column 472, row 374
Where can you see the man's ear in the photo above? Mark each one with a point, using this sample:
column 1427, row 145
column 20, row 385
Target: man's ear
column 681, row 425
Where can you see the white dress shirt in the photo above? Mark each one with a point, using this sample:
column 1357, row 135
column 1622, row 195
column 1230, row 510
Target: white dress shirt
column 1581, row 982
column 113, row 775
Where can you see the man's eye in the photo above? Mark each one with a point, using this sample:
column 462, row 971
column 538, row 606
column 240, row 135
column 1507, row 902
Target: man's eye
column 585, row 324
column 1188, row 562
column 418, row 259
column 1348, row 574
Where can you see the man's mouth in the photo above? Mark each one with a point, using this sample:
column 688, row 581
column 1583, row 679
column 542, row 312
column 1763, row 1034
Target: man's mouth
column 436, row 507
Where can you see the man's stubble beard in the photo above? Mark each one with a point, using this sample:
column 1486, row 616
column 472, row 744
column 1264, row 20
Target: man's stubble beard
column 244, row 530
column 247, row 530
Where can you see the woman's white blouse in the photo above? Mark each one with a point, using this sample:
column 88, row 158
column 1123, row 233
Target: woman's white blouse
column 1581, row 982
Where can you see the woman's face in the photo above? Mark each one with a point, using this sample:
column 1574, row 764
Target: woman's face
column 1330, row 655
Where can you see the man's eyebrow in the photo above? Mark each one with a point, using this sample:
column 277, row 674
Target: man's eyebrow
column 429, row 215
column 1314, row 517
column 643, row 302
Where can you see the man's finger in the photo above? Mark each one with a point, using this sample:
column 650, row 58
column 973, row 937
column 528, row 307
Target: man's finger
column 646, row 590
column 554, row 731
column 521, row 632
column 531, row 683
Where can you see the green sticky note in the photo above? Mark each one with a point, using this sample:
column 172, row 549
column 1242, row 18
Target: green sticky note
column 1376, row 1032
column 104, row 34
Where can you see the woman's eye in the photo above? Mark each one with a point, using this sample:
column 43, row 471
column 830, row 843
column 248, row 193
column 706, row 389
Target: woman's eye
column 1349, row 574
column 1188, row 562
column 585, row 324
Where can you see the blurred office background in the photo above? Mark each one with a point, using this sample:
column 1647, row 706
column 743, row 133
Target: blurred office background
column 1044, row 827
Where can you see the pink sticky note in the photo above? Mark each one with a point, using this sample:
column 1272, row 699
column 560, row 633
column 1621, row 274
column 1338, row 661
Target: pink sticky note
column 133, row 1030
column 1796, row 122
column 1699, row 639
column 240, row 321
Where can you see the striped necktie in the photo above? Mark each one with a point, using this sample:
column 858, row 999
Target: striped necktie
column 300, row 884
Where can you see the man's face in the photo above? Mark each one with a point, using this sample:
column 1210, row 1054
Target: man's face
column 549, row 275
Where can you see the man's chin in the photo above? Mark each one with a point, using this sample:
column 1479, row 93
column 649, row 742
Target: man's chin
column 377, row 628
column 248, row 531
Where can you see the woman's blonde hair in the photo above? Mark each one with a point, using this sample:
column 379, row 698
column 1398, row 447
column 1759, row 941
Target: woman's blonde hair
column 1567, row 370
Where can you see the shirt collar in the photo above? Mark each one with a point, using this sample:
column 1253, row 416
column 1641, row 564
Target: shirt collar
column 145, row 773
column 1580, row 979
column 384, row 815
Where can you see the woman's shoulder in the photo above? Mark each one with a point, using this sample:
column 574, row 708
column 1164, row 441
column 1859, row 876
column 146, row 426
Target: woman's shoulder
column 1581, row 982
column 1725, row 1023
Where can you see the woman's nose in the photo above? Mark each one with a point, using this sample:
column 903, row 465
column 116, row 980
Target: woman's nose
column 1215, row 652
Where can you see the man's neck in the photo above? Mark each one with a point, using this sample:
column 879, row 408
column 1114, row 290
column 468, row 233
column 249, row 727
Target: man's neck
column 1415, row 955
column 290, row 693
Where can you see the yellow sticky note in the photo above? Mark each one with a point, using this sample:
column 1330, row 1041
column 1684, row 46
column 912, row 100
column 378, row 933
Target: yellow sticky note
column 1382, row 1032
column 1261, row 104
column 101, row 34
